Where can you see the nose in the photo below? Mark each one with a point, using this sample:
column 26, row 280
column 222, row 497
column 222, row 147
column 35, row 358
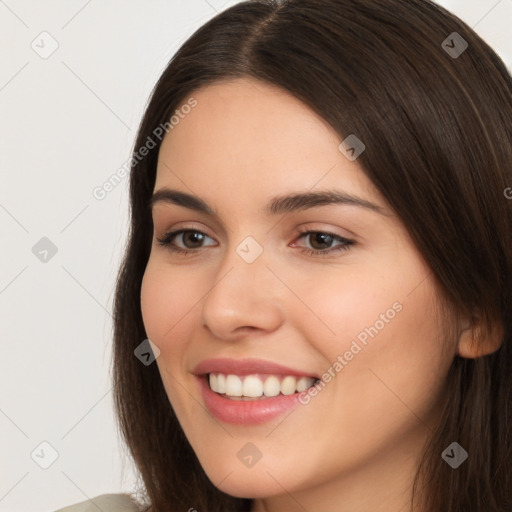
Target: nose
column 243, row 298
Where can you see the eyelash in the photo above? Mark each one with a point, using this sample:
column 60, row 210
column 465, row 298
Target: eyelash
column 167, row 238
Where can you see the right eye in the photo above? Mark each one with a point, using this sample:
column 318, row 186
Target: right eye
column 196, row 238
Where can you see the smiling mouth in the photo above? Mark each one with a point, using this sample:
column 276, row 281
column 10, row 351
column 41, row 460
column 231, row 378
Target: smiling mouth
column 257, row 386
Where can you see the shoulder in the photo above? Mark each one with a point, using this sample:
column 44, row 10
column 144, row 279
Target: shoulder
column 105, row 503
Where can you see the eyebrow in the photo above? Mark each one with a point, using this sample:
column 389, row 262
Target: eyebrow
column 277, row 205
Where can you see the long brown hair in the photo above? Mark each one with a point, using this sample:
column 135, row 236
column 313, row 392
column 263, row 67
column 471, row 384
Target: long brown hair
column 437, row 127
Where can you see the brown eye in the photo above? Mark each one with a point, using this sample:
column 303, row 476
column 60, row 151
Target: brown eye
column 191, row 239
column 321, row 241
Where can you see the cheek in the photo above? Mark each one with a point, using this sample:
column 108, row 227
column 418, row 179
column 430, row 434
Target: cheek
column 167, row 305
column 353, row 304
column 167, row 300
column 380, row 336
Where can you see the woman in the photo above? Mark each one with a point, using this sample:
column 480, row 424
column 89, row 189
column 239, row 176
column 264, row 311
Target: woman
column 313, row 312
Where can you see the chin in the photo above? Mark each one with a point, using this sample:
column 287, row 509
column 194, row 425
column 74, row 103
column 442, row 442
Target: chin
column 250, row 486
column 259, row 481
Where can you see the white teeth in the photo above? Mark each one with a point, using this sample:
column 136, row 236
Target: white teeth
column 221, row 383
column 271, row 387
column 233, row 385
column 213, row 382
column 253, row 386
column 289, row 385
column 302, row 384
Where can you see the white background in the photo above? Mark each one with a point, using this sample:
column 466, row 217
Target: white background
column 67, row 124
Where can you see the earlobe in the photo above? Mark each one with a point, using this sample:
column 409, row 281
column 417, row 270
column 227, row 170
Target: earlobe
column 475, row 341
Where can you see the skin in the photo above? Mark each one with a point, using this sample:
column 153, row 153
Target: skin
column 244, row 143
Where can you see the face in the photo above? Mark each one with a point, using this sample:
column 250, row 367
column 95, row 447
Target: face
column 334, row 291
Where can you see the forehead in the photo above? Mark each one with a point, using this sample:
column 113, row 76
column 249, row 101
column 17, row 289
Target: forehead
column 261, row 102
column 253, row 139
column 247, row 119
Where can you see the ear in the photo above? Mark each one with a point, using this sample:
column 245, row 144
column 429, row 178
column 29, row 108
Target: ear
column 475, row 340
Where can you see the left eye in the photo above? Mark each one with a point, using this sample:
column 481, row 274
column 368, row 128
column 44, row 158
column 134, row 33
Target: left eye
column 197, row 237
column 325, row 238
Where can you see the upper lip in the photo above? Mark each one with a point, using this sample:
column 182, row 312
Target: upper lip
column 246, row 367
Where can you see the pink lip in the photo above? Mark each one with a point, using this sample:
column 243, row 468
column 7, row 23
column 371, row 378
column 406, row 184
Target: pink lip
column 246, row 367
column 245, row 412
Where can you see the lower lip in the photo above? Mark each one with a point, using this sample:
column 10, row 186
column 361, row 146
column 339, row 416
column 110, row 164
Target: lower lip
column 245, row 412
